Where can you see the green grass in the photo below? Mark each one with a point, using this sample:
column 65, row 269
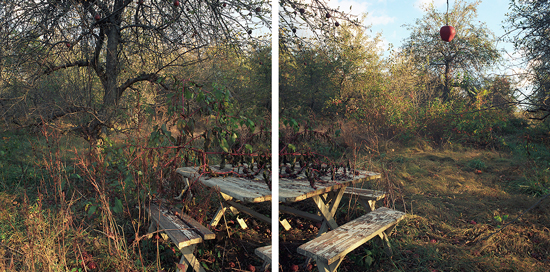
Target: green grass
column 47, row 200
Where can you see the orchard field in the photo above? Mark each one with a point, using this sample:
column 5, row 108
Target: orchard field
column 101, row 101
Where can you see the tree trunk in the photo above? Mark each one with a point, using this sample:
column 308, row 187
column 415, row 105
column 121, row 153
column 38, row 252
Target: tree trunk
column 111, row 94
column 446, row 87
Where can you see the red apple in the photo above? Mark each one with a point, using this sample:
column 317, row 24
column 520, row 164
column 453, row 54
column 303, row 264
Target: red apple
column 337, row 24
column 92, row 265
column 251, row 268
column 294, row 268
column 258, row 9
column 224, row 5
column 447, row 33
column 176, row 3
column 328, row 15
column 97, row 17
column 68, row 44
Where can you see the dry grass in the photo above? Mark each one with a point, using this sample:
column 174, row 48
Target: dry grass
column 452, row 208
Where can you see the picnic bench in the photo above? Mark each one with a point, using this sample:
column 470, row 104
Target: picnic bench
column 183, row 230
column 329, row 249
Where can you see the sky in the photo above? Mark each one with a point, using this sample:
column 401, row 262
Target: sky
column 389, row 16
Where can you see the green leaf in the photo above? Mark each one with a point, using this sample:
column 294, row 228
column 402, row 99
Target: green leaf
column 249, row 147
column 91, row 210
column 292, row 147
column 368, row 261
column 224, row 145
column 250, row 124
column 118, row 206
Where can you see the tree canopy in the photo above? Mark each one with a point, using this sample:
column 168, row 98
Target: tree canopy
column 529, row 28
column 469, row 53
column 119, row 43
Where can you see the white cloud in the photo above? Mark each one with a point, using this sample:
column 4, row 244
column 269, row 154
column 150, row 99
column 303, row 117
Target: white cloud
column 379, row 20
column 357, row 7
column 420, row 4
column 360, row 7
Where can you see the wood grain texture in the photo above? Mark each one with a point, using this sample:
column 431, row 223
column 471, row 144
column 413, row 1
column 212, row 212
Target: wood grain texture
column 365, row 193
column 290, row 190
column 179, row 232
column 203, row 231
column 243, row 189
column 335, row 244
column 264, row 253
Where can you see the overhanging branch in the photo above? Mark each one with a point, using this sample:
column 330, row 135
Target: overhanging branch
column 80, row 63
column 131, row 81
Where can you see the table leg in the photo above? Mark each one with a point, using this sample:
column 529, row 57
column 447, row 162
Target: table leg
column 189, row 260
column 218, row 216
column 222, row 209
column 367, row 204
column 329, row 210
column 324, row 267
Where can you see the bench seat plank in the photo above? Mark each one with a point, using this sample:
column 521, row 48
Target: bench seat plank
column 264, row 253
column 365, row 193
column 180, row 233
column 334, row 245
column 203, row 231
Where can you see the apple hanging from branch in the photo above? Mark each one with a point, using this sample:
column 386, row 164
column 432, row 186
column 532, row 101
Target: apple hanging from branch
column 447, row 33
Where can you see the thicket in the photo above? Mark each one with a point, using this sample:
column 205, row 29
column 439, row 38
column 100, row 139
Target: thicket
column 337, row 96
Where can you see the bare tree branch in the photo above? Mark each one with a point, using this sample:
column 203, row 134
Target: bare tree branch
column 67, row 65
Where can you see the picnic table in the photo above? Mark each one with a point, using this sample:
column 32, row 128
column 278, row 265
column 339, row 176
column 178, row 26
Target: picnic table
column 237, row 192
column 326, row 195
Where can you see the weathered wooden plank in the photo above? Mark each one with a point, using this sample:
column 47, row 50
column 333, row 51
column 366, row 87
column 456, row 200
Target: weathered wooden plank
column 290, row 190
column 189, row 260
column 293, row 190
column 365, row 193
column 264, row 252
column 203, row 231
column 335, row 244
column 243, row 189
column 250, row 211
column 297, row 212
column 325, row 211
column 181, row 234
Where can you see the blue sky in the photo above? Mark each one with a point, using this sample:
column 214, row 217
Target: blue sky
column 389, row 16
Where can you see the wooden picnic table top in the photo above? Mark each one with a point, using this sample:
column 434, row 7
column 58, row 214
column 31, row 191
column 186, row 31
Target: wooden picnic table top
column 292, row 189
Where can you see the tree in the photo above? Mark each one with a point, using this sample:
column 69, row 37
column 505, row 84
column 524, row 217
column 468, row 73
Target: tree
column 529, row 29
column 470, row 53
column 107, row 38
column 304, row 22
